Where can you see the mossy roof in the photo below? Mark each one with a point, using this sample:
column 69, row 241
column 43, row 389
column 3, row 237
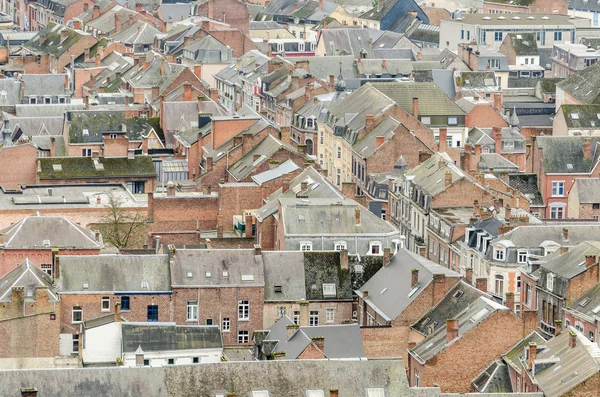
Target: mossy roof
column 549, row 85
column 582, row 116
column 54, row 39
column 98, row 122
column 524, row 43
column 84, row 167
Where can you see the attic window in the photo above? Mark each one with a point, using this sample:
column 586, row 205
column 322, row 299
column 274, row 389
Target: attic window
column 86, row 285
column 144, row 285
column 225, row 273
column 584, row 302
column 329, row 290
column 85, row 131
column 190, row 274
column 479, row 315
column 596, row 310
column 375, row 392
column 315, row 393
column 575, row 116
column 208, row 274
column 458, row 294
column 247, row 277
column 57, row 167
column 278, row 289
column 46, row 243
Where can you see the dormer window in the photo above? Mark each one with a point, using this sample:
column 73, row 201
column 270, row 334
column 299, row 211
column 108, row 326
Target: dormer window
column 499, row 253
column 550, row 282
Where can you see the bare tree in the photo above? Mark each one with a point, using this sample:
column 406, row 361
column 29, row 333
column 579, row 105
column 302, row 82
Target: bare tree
column 120, row 226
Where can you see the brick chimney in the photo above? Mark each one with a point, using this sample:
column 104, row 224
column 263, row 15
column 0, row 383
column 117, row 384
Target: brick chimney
column 587, row 147
column 498, row 101
column 414, row 278
column 510, row 301
column 451, row 329
column 380, row 4
column 469, row 275
column 448, row 178
column 170, row 189
column 557, row 327
column 531, row 354
column 321, row 4
column 507, row 212
column 387, row 256
column 56, row 267
column 246, row 143
column 304, row 313
column 516, row 198
column 118, row 22
column 290, row 330
column 248, row 225
column 497, row 136
column 415, row 107
column 379, row 140
column 565, row 233
column 481, row 284
column 96, row 11
column 333, row 393
column 219, row 226
column 357, row 215
column 285, row 185
column 589, row 260
column 344, row 259
column 572, row 339
column 443, row 139
column 369, row 123
column 118, row 312
column 187, row 92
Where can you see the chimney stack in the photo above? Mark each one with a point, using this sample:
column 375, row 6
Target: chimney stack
column 510, row 301
column 565, row 233
column 443, row 138
column 357, row 215
column 369, row 123
column 285, row 185
column 448, row 178
column 589, row 260
column 469, row 275
column 414, row 278
column 387, row 256
column 481, row 284
column 304, row 314
column 451, row 330
column 117, row 312
column 531, row 355
column 290, row 330
column 587, row 147
column 516, row 198
column 29, row 392
column 379, row 140
column 497, row 136
column 557, row 327
column 56, row 270
column 344, row 259
column 572, row 338
column 415, row 107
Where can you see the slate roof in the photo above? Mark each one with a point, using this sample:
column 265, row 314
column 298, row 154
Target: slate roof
column 346, row 41
column 45, row 84
column 49, row 40
column 84, row 167
column 516, row 354
column 208, row 50
column 431, row 177
column 113, row 273
column 57, row 231
column 559, row 152
column 581, row 116
column 569, row 264
column 494, row 161
column 169, row 337
column 39, row 110
column 562, row 367
column 366, row 147
column 388, row 296
column 494, row 379
column 137, row 33
column 87, row 126
column 28, row 276
column 341, row 341
column 476, row 313
column 527, row 185
column 213, row 267
column 277, row 172
column 12, row 88
column 432, row 100
column 524, row 43
column 175, row 12
column 534, row 236
column 584, row 85
column 588, row 190
column 588, row 303
column 317, row 187
column 376, row 14
column 453, row 303
column 323, row 216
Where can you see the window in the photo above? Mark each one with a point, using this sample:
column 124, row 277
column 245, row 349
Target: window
column 452, row 121
column 497, row 36
column 171, row 361
column 313, row 318
column 330, row 315
column 499, row 284
column 209, row 321
column 493, row 63
column 62, row 99
column 296, row 318
column 596, row 206
column 243, row 337
column 449, row 141
column 152, row 313
column 340, row 245
column 517, row 309
column 538, row 36
column 86, row 152
column 306, row 246
column 416, row 378
column 77, row 314
column 375, row 248
column 32, row 101
column 550, row 282
column 528, row 294
column 499, row 253
column 47, row 100
column 113, row 136
column 278, row 289
column 125, row 303
column 243, row 310
column 557, row 36
column 321, row 138
column 522, row 257
column 557, row 212
column 462, row 34
column 518, row 283
column 375, row 392
column 426, row 120
column 591, row 336
column 75, row 343
column 468, row 35
column 329, row 290
column 192, row 310
column 558, row 188
column 146, row 363
column 47, row 268
column 105, row 304
column 3, row 94
column 339, row 152
column 136, row 187
column 226, row 325
column 195, row 360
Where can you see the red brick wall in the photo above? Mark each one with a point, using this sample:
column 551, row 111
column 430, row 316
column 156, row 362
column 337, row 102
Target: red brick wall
column 579, row 284
column 32, row 336
column 234, row 199
column 233, row 12
column 484, row 116
column 311, row 353
column 225, row 130
column 588, row 388
column 116, row 147
column 185, row 213
column 239, row 42
column 266, row 232
column 18, row 165
column 462, row 193
column 10, row 258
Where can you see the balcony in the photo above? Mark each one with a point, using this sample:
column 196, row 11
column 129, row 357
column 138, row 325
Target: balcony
column 547, row 329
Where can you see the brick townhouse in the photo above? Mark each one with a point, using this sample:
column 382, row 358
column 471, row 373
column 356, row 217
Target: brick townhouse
column 219, row 287
column 41, row 238
column 584, row 200
column 90, row 287
column 582, row 313
column 387, row 307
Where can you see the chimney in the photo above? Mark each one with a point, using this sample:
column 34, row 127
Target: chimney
column 380, row 4
column 138, row 7
column 424, row 156
column 246, row 143
column 96, row 11
column 448, row 178
column 587, row 147
column 369, row 123
column 331, row 80
column 321, row 4
column 285, row 185
column 565, row 233
column 285, row 135
column 290, row 330
column 219, row 226
column 443, row 139
column 209, row 164
column 572, row 338
column 162, row 67
column 344, row 259
column 507, row 212
column 498, row 101
column 248, row 225
column 139, row 356
column 469, row 275
column 414, row 278
column 279, row 356
column 383, row 64
column 170, row 189
column 415, row 107
column 496, row 205
column 319, row 341
column 379, row 141
column 557, row 327
column 257, row 250
column 510, row 301
column 187, row 92
column 304, row 313
column 118, row 312
column 156, row 244
column 531, row 354
column 56, row 267
column 357, row 215
column 420, row 54
column 76, row 24
column 29, row 392
column 451, row 329
column 97, row 62
column 589, row 260
column 497, row 136
column 333, row 393
column 118, row 22
column 481, row 284
column 516, row 197
column 97, row 235
column 387, row 256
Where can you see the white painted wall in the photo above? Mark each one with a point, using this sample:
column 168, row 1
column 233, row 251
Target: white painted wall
column 102, row 344
column 158, row 359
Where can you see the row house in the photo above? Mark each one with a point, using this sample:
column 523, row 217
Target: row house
column 576, row 120
column 499, row 149
column 584, row 202
column 579, row 89
column 523, row 55
column 582, row 314
column 445, row 226
column 571, row 58
column 56, row 11
column 395, row 297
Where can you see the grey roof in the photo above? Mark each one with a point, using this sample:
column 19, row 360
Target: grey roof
column 392, row 40
column 137, row 33
column 584, row 85
column 346, row 41
column 265, row 149
column 293, row 378
column 494, row 379
column 175, row 12
column 489, row 161
column 89, row 125
column 114, row 273
column 317, row 187
column 534, row 236
column 527, row 185
column 562, row 368
column 388, row 296
column 538, row 19
column 581, row 116
column 572, row 263
column 341, row 341
column 214, row 267
column 559, row 152
column 366, row 147
column 179, row 116
column 208, row 50
column 588, row 190
column 583, row 5
column 169, row 337
column 284, row 269
column 277, row 172
column 324, row 216
column 39, row 110
column 476, row 313
column 394, row 67
column 588, row 303
column 12, row 89
column 28, row 276
column 45, row 84
column 34, row 126
column 430, row 175
column 432, row 100
column 510, row 135
column 452, row 304
column 515, row 356
column 41, row 231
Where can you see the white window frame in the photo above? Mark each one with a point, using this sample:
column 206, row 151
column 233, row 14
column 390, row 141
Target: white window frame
column 313, row 318
column 330, row 315
column 520, row 258
column 226, row 325
column 329, row 290
column 499, row 253
column 105, row 306
column 243, row 336
column 499, row 281
column 556, row 186
column 306, row 246
column 243, row 310
column 550, row 282
column 340, row 245
column 373, row 244
column 192, row 311
column 76, row 309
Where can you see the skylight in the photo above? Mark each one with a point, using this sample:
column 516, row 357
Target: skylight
column 575, row 116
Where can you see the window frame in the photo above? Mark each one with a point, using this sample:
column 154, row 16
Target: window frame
column 192, row 308
column 226, row 324
column 125, row 298
column 152, row 313
column 243, row 310
column 330, row 315
column 243, row 336
column 76, row 309
column 105, row 300
column 313, row 318
column 374, row 244
column 306, row 244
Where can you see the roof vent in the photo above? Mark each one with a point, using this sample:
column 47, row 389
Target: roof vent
column 487, row 18
column 501, row 17
column 531, row 17
column 86, row 285
column 516, row 17
column 46, row 243
column 545, row 17
column 190, row 275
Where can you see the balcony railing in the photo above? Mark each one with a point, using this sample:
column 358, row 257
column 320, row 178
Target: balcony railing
column 547, row 329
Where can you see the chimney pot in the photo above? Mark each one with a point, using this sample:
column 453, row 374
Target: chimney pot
column 379, row 140
column 415, row 107
column 414, row 278
column 590, row 260
column 572, row 338
column 451, row 330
